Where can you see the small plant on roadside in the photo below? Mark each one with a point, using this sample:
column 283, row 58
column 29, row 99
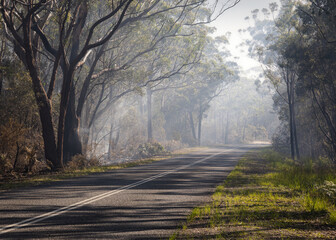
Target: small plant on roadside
column 80, row 162
column 328, row 190
column 21, row 151
column 150, row 149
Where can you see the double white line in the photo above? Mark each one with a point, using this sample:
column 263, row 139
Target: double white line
column 30, row 221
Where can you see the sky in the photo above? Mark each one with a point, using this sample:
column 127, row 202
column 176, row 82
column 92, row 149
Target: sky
column 234, row 19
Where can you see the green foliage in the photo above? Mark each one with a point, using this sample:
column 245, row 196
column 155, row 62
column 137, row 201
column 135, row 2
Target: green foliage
column 327, row 190
column 150, row 149
column 313, row 180
column 17, row 99
column 300, row 41
column 302, row 176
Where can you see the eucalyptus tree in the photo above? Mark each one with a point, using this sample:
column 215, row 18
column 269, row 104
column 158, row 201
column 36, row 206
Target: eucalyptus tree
column 176, row 58
column 205, row 82
column 317, row 67
column 276, row 47
column 308, row 49
column 76, row 31
column 150, row 59
column 298, row 57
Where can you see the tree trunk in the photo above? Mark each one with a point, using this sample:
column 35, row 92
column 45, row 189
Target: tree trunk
column 215, row 127
column 149, row 115
column 290, row 120
column 85, row 129
column 223, row 126
column 200, row 118
column 227, row 129
column 295, row 134
column 292, row 106
column 1, row 81
column 72, row 143
column 45, row 112
column 69, row 143
column 192, row 125
column 244, row 129
column 330, row 133
column 65, row 95
column 111, row 143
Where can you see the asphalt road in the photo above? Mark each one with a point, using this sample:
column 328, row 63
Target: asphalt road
column 145, row 202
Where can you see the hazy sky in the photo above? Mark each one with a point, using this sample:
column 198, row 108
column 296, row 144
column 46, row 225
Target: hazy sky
column 233, row 20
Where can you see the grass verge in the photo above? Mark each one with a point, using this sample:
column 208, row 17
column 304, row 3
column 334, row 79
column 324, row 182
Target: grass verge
column 268, row 197
column 26, row 181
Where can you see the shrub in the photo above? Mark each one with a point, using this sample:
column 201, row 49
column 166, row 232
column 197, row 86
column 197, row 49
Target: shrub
column 173, row 145
column 327, row 190
column 150, row 149
column 81, row 162
column 20, row 149
column 11, row 137
column 5, row 165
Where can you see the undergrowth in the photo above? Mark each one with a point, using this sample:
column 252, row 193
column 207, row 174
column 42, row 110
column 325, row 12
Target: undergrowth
column 268, row 196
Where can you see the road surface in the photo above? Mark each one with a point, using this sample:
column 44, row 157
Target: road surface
column 144, row 202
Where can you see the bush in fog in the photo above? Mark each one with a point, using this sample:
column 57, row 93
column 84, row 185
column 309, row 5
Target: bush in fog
column 81, row 162
column 150, row 149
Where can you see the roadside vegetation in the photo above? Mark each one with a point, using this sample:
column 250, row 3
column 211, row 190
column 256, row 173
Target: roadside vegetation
column 269, row 196
column 81, row 166
column 75, row 168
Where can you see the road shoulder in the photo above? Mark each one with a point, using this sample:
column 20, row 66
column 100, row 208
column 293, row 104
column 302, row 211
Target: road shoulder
column 247, row 205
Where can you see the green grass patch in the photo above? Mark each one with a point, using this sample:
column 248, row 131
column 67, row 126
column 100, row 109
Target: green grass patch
column 269, row 197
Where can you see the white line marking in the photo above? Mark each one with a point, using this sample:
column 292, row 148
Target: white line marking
column 30, row 221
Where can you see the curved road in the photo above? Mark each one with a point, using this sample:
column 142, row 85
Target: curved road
column 145, row 202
